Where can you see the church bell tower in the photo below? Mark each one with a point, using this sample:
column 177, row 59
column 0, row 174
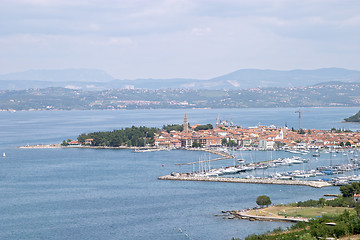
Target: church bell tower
column 186, row 124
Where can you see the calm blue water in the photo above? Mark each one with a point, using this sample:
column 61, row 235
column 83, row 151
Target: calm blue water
column 115, row 194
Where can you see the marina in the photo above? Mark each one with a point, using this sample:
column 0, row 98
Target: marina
column 108, row 193
column 343, row 168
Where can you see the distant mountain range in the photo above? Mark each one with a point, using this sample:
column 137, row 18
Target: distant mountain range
column 92, row 79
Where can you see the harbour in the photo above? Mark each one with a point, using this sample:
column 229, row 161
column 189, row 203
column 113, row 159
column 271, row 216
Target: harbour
column 97, row 193
column 289, row 170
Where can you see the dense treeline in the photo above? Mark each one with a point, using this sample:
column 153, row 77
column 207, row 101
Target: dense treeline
column 134, row 136
column 336, row 202
column 350, row 189
column 204, row 127
column 176, row 127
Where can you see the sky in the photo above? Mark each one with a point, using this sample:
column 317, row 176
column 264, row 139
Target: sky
column 199, row 39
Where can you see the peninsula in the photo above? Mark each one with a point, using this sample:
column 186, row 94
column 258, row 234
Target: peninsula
column 226, row 136
column 315, row 219
column 354, row 118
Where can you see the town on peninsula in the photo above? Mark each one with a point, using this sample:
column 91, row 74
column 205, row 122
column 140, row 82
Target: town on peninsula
column 222, row 139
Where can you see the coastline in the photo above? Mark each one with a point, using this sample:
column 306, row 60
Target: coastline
column 283, row 213
column 349, row 122
column 166, row 108
column 261, row 216
column 44, row 146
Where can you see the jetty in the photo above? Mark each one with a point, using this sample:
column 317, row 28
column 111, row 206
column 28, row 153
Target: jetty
column 185, row 177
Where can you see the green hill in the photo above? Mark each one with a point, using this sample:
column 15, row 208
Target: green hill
column 354, row 118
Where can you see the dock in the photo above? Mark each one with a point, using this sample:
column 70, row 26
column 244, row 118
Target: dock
column 182, row 177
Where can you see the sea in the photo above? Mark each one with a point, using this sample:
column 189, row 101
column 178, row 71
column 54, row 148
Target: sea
column 115, row 194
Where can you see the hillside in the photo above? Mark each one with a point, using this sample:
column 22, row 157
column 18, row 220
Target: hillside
column 354, row 118
column 332, row 94
column 97, row 80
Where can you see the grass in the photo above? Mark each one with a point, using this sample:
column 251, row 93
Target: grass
column 303, row 212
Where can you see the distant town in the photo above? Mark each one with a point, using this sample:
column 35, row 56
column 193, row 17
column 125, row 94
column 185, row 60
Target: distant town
column 258, row 137
column 224, row 134
column 331, row 94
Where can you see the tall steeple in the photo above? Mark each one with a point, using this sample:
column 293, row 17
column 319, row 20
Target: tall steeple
column 186, row 124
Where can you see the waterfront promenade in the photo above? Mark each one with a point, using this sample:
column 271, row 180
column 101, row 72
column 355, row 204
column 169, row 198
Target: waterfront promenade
column 184, row 177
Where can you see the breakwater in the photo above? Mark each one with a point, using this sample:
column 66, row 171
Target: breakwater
column 182, row 177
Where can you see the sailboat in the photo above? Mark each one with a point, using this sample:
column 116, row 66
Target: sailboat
column 240, row 160
column 4, row 155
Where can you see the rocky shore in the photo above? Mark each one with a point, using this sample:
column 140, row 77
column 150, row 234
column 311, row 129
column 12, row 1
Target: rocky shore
column 244, row 214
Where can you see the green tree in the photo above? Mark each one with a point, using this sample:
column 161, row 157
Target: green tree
column 176, row 127
column 306, row 236
column 196, row 145
column 224, row 142
column 263, row 200
column 350, row 190
column 357, row 208
column 321, row 202
column 204, row 127
column 232, row 143
column 64, row 143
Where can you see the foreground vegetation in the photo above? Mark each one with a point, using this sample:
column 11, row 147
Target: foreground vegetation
column 333, row 218
column 298, row 212
column 335, row 226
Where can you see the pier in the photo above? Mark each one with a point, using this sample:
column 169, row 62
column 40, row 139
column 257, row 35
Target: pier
column 182, row 177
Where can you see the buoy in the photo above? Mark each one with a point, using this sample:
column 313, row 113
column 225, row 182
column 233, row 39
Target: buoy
column 163, row 165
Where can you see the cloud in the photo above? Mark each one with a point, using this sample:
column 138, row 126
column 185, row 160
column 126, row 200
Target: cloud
column 120, row 41
column 178, row 38
column 201, row 31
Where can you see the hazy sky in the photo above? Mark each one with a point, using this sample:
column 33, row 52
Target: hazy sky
column 171, row 38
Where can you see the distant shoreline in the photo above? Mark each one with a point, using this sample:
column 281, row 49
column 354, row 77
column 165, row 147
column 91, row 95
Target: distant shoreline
column 171, row 108
column 348, row 122
column 45, row 146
